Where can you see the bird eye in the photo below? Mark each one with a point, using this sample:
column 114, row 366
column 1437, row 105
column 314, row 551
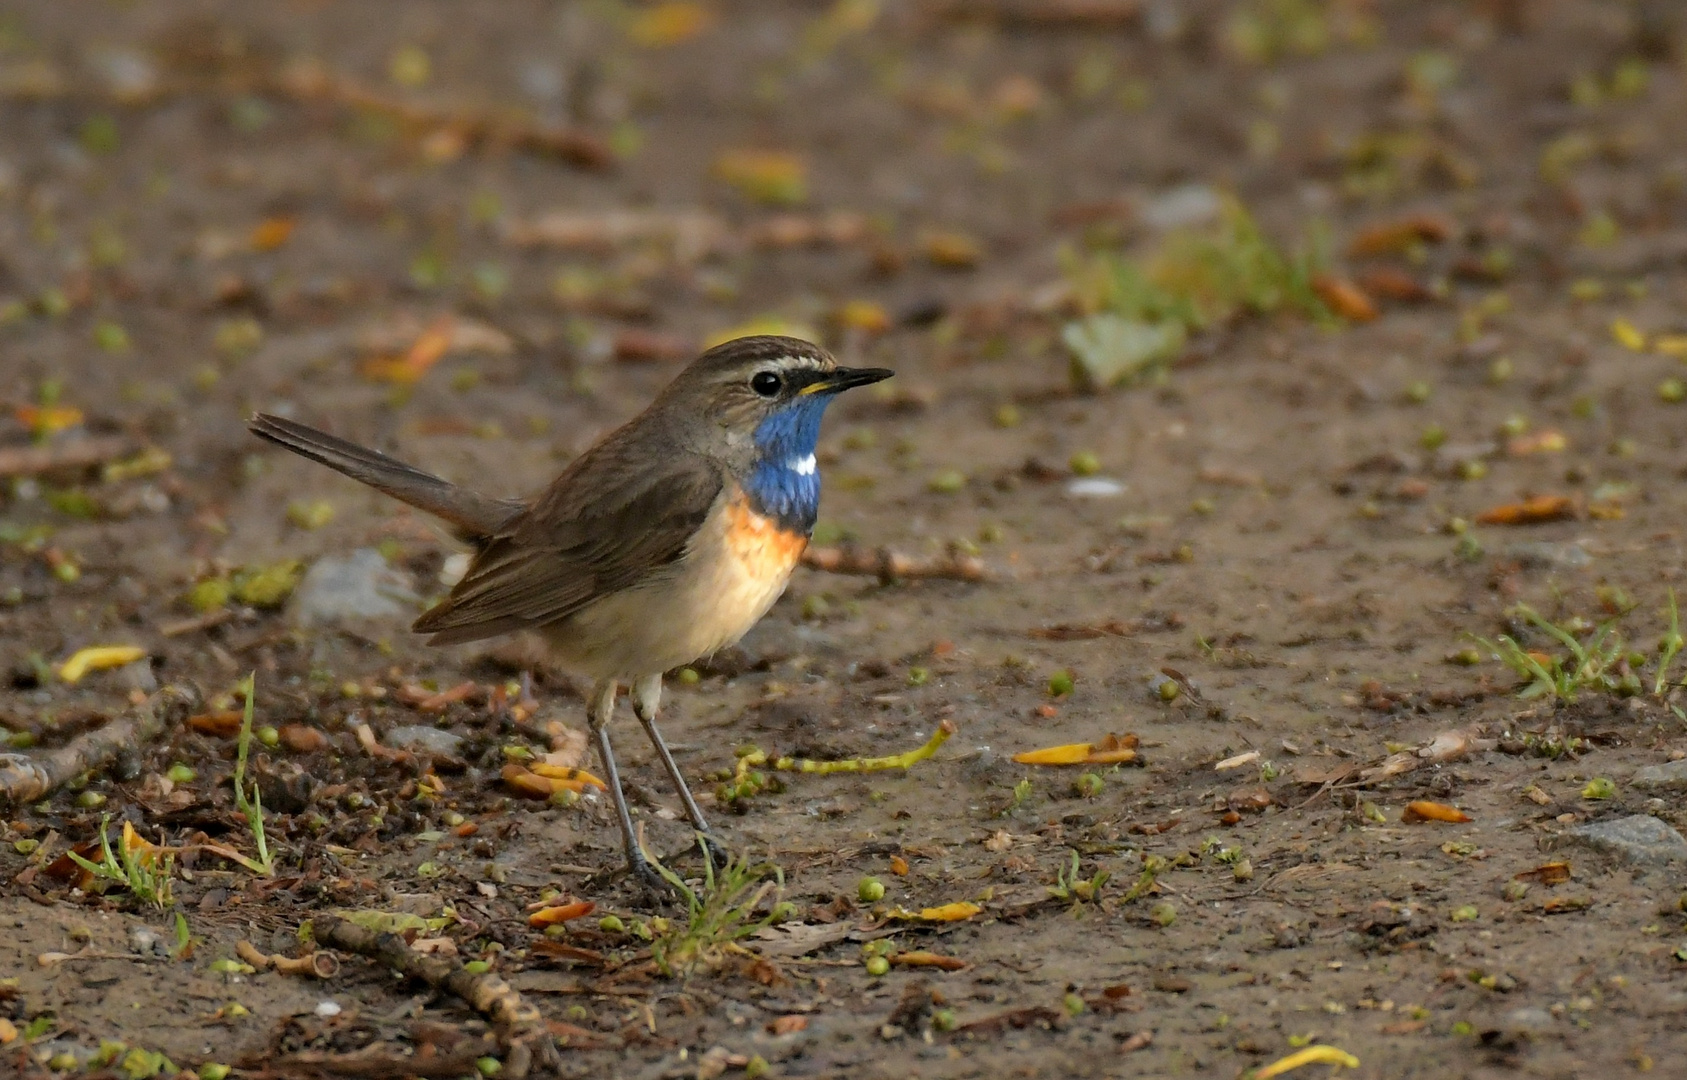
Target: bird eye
column 766, row 383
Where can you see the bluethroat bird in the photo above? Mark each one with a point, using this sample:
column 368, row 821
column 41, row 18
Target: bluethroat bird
column 663, row 543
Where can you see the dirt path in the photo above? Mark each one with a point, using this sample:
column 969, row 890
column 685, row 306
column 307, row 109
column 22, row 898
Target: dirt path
column 480, row 235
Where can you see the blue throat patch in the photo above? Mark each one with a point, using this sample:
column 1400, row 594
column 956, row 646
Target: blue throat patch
column 784, row 484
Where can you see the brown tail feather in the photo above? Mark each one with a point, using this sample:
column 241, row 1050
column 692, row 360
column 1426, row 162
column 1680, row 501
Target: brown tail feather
column 474, row 515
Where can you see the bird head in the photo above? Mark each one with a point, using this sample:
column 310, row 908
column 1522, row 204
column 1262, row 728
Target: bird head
column 763, row 399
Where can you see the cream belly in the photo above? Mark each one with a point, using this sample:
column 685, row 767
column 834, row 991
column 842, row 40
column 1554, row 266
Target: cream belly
column 736, row 566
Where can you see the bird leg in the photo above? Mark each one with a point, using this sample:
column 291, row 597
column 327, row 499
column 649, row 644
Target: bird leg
column 598, row 714
column 647, row 695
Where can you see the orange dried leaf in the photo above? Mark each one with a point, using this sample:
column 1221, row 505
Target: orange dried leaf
column 144, row 851
column 955, row 912
column 525, row 784
column 574, row 778
column 46, row 419
column 670, row 24
column 789, row 1024
column 272, row 233
column 1344, row 298
column 427, row 350
column 1541, row 442
column 899, row 866
column 765, row 176
column 1401, row 234
column 950, row 249
column 561, row 913
column 225, row 724
column 1530, row 511
column 1391, row 283
column 1552, row 873
column 927, row 959
column 1424, row 810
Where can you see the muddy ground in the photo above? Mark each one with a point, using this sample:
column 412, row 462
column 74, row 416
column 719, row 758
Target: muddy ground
column 211, row 208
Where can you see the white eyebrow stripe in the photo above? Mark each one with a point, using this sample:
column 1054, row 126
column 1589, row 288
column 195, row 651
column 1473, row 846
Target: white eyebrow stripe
column 803, row 466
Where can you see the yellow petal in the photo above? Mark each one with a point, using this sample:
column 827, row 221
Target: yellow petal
column 1070, row 754
column 97, row 658
column 1672, row 345
column 1312, row 1055
column 955, row 912
column 576, row 776
column 773, row 177
column 669, row 24
column 1627, row 335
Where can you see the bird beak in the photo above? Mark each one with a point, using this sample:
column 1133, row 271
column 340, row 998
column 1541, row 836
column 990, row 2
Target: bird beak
column 840, row 379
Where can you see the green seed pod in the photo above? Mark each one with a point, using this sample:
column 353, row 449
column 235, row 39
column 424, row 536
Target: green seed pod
column 181, row 774
column 1087, row 786
column 612, row 924
column 877, row 966
column 870, row 889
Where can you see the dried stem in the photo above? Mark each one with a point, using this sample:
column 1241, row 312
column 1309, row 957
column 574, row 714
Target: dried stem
column 28, row 778
column 518, row 1025
column 888, row 565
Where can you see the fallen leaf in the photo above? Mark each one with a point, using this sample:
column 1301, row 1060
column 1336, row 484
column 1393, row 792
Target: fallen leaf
column 1424, row 810
column 1111, row 750
column 863, row 315
column 561, row 913
column 1548, row 441
column 98, row 658
column 1344, row 298
column 799, row 939
column 950, row 249
column 1391, row 283
column 670, row 24
column 8, row 1031
column 1552, row 873
column 955, row 912
column 1627, row 335
column 573, row 779
column 927, row 959
column 46, row 419
column 774, row 177
column 1532, row 511
column 1237, row 761
column 1401, row 234
column 1312, row 1055
column 899, row 866
column 526, row 784
column 789, row 1024
column 225, row 724
column 426, row 351
column 272, row 233
column 1110, row 349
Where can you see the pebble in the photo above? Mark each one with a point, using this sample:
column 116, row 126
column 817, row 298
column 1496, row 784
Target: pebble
column 1670, row 776
column 421, row 739
column 1181, row 207
column 356, row 586
column 1638, row 838
column 1527, row 1021
column 1094, row 487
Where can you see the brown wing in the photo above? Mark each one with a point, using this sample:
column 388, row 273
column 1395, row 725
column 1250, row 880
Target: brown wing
column 615, row 516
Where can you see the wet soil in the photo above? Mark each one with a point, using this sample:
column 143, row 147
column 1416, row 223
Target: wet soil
column 1291, row 543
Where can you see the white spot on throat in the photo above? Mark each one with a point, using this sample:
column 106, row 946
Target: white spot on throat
column 803, row 466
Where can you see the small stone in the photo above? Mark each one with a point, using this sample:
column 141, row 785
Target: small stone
column 1636, row 839
column 1670, row 776
column 1094, row 487
column 421, row 739
column 361, row 585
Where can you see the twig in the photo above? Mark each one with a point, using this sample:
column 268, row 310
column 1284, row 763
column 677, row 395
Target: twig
column 518, row 1025
column 28, row 778
column 1077, row 14
column 573, row 145
column 888, row 565
column 63, row 456
column 377, row 1062
column 320, row 964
